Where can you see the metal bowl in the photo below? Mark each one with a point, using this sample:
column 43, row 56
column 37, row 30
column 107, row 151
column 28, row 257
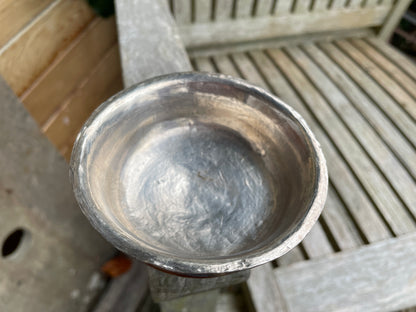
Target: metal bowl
column 199, row 174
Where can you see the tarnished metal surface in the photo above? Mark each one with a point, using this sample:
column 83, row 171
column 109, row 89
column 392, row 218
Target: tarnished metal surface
column 199, row 174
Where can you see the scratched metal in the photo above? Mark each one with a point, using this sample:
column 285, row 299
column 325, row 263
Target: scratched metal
column 199, row 174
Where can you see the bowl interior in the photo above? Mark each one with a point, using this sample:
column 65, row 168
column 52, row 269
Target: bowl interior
column 198, row 169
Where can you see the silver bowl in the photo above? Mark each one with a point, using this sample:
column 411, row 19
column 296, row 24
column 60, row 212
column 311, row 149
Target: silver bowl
column 199, row 174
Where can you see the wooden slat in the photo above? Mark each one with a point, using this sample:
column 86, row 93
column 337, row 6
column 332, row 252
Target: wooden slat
column 27, row 56
column 393, row 170
column 225, row 66
column 377, row 94
column 338, row 4
column 316, row 243
column 182, row 11
column 375, row 184
column 103, row 82
column 384, row 80
column 15, row 14
column 383, row 62
column 240, row 30
column 339, row 223
column 243, row 8
column 293, row 256
column 358, row 204
column 204, row 64
column 395, row 56
column 203, row 11
column 370, row 3
column 379, row 277
column 374, row 116
column 223, row 10
column 393, row 19
column 320, row 5
column 302, row 7
column 264, row 7
column 54, row 85
column 283, row 7
column 264, row 289
column 355, row 3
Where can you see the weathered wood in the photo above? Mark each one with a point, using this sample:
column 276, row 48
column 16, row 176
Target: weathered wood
column 125, row 292
column 358, row 203
column 393, row 19
column 24, row 59
column 182, row 11
column 264, row 289
column 379, row 277
column 339, row 223
column 283, row 7
column 204, row 64
column 386, row 129
column 395, row 56
column 103, row 82
column 316, row 243
column 241, row 30
column 302, row 7
column 36, row 196
column 355, row 4
column 293, row 256
column 278, row 42
column 405, row 81
column 372, row 180
column 370, row 3
column 338, row 4
column 391, row 86
column 243, row 8
column 320, row 5
column 264, row 7
column 375, row 91
column 49, row 91
column 397, row 176
column 223, row 10
column 14, row 15
column 203, row 11
column 204, row 302
column 147, row 53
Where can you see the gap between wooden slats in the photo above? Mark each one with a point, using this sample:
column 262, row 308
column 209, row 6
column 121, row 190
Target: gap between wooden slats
column 243, row 8
column 394, row 89
column 377, row 94
column 365, row 216
column 263, row 7
column 383, row 125
column 384, row 63
column 33, row 50
column 372, row 180
column 395, row 56
column 62, row 76
column 283, row 7
column 99, row 85
column 363, row 133
column 203, row 10
column 15, row 15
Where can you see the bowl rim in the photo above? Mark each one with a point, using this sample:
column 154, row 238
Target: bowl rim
column 173, row 263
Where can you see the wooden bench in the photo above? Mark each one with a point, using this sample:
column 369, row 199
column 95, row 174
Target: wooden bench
column 327, row 59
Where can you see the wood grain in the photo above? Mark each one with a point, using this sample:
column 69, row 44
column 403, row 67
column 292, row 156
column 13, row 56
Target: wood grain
column 384, row 80
column 26, row 57
column 374, row 91
column 379, row 277
column 240, row 30
column 47, row 94
column 379, row 121
column 16, row 14
column 100, row 84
